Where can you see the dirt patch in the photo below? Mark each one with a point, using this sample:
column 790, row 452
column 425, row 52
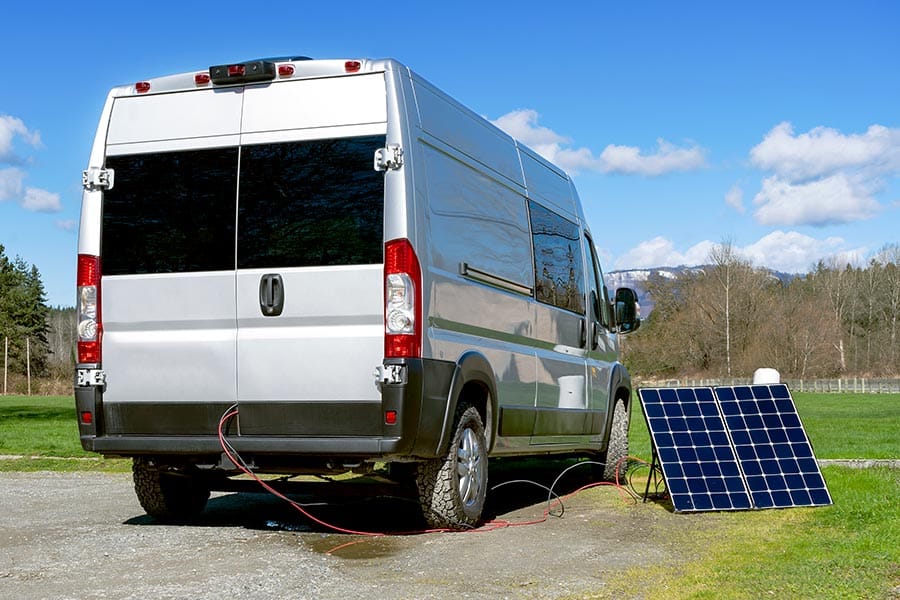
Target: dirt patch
column 83, row 535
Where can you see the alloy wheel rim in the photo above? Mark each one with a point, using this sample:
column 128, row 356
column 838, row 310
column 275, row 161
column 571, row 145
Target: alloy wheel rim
column 470, row 467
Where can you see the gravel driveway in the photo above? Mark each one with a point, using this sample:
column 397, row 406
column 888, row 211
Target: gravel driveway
column 83, row 535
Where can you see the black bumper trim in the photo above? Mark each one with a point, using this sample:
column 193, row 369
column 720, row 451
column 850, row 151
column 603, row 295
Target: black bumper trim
column 205, row 445
column 308, row 428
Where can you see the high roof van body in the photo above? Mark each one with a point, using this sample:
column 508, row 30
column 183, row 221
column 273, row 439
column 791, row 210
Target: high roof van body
column 354, row 268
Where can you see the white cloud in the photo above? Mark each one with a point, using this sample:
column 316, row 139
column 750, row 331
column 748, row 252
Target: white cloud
column 523, row 125
column 668, row 158
column 828, row 201
column 11, row 127
column 790, row 251
column 793, row 252
column 660, row 252
column 12, row 178
column 823, row 177
column 823, row 151
column 38, row 200
column 735, row 198
column 11, row 183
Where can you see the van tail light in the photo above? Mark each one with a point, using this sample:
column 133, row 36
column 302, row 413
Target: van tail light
column 90, row 325
column 402, row 301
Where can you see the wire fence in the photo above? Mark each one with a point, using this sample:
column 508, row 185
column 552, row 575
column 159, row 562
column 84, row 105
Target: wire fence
column 846, row 385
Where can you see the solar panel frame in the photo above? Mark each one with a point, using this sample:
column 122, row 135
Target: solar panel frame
column 732, row 448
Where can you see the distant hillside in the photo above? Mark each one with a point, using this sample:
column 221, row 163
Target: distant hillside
column 637, row 280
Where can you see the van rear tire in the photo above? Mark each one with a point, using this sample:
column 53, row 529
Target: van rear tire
column 452, row 489
column 168, row 496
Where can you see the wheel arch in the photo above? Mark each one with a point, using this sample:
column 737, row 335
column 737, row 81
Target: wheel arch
column 473, row 383
column 619, row 389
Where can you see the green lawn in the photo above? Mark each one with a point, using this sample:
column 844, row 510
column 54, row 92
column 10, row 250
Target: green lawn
column 44, row 426
column 848, row 550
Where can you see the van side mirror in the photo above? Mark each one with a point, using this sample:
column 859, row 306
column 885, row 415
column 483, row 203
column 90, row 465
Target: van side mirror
column 627, row 310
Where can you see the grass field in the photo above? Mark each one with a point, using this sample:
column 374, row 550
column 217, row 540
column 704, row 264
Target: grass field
column 848, row 550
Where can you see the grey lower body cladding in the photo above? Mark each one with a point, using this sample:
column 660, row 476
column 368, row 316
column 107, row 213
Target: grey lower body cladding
column 307, row 429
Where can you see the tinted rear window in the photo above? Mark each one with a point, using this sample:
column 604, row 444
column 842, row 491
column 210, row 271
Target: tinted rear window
column 170, row 212
column 311, row 203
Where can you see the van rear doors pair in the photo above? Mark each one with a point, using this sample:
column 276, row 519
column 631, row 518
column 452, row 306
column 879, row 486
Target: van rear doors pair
column 241, row 254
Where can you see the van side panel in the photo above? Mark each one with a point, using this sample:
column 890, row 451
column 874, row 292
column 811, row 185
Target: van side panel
column 468, row 211
column 479, row 276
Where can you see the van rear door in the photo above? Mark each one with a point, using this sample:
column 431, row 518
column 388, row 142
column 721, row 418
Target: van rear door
column 167, row 251
column 309, row 257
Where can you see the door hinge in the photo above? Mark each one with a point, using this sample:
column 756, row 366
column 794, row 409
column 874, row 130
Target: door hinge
column 390, row 157
column 96, row 179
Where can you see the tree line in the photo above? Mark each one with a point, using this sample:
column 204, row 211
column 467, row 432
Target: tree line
column 728, row 318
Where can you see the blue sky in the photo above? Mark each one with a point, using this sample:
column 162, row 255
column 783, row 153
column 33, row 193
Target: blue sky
column 774, row 126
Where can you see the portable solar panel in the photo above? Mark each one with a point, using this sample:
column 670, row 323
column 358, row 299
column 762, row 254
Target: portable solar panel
column 695, row 453
column 732, row 448
column 772, row 448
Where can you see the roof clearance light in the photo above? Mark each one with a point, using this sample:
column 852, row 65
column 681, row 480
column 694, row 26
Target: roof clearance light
column 202, row 78
column 235, row 70
column 352, row 66
column 285, row 70
column 142, row 87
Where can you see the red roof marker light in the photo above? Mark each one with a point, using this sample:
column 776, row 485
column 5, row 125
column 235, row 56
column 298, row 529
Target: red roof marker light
column 202, row 78
column 142, row 87
column 285, row 70
column 352, row 66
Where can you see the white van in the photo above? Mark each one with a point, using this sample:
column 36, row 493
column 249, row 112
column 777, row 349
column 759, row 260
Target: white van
column 362, row 268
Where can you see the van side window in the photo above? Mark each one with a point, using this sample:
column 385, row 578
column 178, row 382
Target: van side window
column 558, row 268
column 310, row 203
column 170, row 212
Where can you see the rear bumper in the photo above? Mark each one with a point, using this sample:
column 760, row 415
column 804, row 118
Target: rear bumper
column 320, row 429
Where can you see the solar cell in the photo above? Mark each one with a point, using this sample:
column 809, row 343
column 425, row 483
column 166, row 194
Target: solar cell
column 732, row 448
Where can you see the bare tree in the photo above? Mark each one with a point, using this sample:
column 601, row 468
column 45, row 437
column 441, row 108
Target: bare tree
column 889, row 257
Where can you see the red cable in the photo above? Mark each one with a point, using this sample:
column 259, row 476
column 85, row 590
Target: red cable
column 487, row 527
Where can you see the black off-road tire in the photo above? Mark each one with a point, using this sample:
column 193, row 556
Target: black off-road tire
column 616, row 461
column 168, row 496
column 452, row 489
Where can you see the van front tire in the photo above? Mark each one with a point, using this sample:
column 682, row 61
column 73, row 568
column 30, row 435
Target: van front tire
column 168, row 496
column 616, row 459
column 452, row 489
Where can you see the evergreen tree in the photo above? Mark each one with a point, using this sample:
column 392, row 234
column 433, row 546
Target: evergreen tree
column 23, row 314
